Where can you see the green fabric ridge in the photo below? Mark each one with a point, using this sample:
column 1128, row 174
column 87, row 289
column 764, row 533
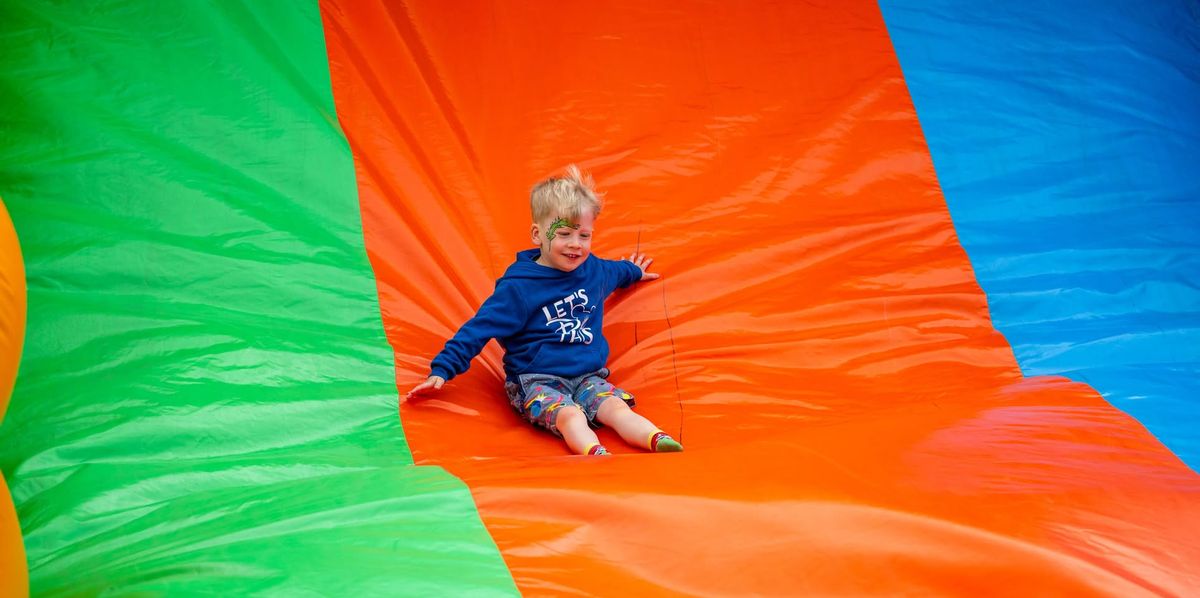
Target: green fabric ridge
column 206, row 403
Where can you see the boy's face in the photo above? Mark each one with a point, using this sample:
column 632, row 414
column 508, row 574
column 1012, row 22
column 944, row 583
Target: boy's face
column 565, row 245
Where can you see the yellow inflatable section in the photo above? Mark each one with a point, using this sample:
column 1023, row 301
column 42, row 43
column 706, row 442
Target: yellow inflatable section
column 14, row 577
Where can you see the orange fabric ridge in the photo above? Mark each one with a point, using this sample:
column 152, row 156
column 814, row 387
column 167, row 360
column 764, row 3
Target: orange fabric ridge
column 852, row 423
column 14, row 576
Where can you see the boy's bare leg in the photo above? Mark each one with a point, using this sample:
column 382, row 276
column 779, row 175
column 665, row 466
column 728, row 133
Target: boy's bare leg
column 633, row 428
column 573, row 426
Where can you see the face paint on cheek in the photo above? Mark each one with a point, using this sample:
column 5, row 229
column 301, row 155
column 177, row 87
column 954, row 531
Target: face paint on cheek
column 557, row 224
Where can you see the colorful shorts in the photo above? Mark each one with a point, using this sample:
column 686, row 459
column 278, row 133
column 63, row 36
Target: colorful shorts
column 538, row 397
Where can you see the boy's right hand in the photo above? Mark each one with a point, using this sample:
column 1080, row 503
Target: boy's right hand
column 431, row 384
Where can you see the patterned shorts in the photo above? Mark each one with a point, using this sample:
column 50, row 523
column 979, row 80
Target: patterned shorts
column 538, row 397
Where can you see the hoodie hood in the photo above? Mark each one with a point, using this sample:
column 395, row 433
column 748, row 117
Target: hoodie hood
column 526, row 267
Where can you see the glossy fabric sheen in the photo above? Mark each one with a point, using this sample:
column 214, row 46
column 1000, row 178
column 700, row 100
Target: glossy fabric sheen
column 12, row 306
column 1066, row 136
column 206, row 403
column 853, row 423
column 14, row 578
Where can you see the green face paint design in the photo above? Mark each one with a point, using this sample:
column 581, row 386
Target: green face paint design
column 557, row 224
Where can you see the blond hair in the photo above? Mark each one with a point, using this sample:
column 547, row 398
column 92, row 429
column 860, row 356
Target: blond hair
column 564, row 197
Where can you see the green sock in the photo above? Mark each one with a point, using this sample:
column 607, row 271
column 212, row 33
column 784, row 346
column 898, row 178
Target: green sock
column 661, row 443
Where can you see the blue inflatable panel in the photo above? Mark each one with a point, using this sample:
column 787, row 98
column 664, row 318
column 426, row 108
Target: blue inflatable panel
column 1066, row 138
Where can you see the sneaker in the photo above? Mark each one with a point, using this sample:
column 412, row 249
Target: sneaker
column 661, row 443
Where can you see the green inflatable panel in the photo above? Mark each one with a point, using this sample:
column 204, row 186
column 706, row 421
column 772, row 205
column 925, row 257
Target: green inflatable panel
column 206, row 404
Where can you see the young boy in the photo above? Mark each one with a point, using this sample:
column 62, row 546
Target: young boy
column 547, row 312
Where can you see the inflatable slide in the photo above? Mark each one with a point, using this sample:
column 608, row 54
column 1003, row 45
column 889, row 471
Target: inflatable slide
column 928, row 321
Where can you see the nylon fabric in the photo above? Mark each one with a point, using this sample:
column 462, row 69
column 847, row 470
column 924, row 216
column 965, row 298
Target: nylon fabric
column 14, row 577
column 206, row 403
column 853, row 422
column 12, row 307
column 1065, row 137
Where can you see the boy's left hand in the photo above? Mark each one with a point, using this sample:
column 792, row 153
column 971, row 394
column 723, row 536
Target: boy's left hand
column 642, row 261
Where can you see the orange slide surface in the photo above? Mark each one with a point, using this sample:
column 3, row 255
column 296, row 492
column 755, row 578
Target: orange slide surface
column 852, row 421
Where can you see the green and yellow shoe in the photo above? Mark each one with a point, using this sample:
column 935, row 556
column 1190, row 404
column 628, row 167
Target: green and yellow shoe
column 660, row 442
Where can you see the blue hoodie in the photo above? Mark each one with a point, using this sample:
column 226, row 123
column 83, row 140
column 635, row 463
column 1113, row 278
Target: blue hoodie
column 548, row 321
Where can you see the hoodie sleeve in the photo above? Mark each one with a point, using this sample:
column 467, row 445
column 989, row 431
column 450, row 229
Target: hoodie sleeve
column 503, row 314
column 620, row 273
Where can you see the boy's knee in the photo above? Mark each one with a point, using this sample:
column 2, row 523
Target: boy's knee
column 612, row 406
column 569, row 415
